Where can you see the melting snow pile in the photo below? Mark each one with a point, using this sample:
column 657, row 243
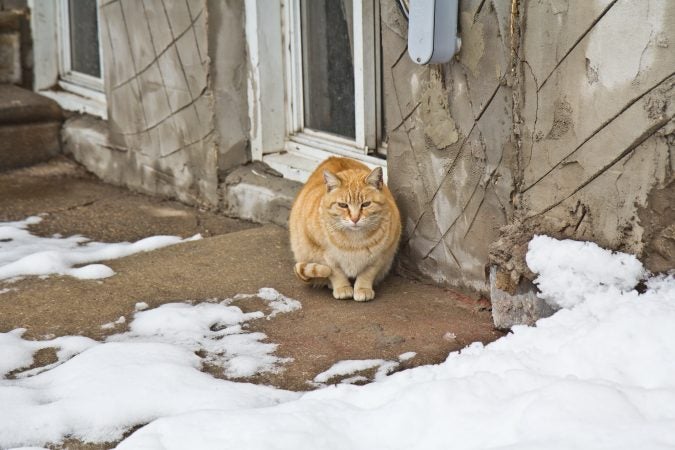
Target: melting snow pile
column 599, row 373
column 22, row 253
column 96, row 391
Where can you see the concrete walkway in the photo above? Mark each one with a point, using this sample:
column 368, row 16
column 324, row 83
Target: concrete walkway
column 235, row 257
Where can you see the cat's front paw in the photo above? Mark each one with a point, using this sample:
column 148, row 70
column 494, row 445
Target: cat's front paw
column 364, row 294
column 343, row 293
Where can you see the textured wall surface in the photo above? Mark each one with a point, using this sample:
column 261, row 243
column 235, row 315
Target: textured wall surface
column 228, row 71
column 159, row 102
column 450, row 150
column 556, row 117
column 598, row 124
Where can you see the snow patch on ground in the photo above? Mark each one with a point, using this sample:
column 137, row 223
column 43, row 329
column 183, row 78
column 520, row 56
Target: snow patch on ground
column 212, row 328
column 110, row 325
column 22, row 253
column 274, row 299
column 96, row 391
column 140, row 306
column 352, row 366
column 600, row 373
column 406, row 356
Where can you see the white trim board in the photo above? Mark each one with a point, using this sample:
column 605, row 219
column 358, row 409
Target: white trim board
column 299, row 162
column 45, row 44
column 265, row 85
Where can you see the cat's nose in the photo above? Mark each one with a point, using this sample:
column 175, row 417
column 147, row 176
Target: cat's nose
column 355, row 219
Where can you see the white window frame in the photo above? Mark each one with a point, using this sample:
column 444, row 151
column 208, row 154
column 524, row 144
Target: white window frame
column 278, row 134
column 51, row 48
column 69, row 78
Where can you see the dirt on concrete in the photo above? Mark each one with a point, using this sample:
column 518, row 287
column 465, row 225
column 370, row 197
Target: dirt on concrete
column 235, row 257
column 73, row 201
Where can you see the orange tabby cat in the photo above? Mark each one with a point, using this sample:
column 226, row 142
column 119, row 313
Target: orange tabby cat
column 344, row 224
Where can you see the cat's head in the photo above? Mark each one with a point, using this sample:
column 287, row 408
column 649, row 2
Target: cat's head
column 354, row 199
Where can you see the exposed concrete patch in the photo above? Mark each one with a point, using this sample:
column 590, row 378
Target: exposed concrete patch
column 519, row 307
column 439, row 126
column 562, row 119
column 657, row 218
column 591, row 72
column 227, row 80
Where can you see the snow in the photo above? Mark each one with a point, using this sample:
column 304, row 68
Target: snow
column 599, row 373
column 215, row 329
column 407, row 356
column 579, row 269
column 275, row 300
column 110, row 325
column 347, row 367
column 22, row 253
column 96, row 391
column 351, row 366
column 140, row 306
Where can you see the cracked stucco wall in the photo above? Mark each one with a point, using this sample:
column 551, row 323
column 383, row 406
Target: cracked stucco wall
column 174, row 80
column 451, row 152
column 597, row 130
column 556, row 117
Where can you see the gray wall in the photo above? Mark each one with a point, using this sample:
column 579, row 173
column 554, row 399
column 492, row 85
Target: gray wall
column 175, row 84
column 229, row 70
column 597, row 117
column 451, row 145
column 554, row 118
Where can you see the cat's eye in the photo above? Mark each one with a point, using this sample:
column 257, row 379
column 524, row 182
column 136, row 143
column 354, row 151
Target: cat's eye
column 343, row 205
column 365, row 204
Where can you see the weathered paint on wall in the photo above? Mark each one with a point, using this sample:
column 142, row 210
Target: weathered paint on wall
column 228, row 71
column 554, row 118
column 597, row 113
column 451, row 151
column 174, row 72
column 159, row 102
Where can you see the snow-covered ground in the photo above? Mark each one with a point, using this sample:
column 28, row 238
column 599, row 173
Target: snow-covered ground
column 22, row 253
column 600, row 373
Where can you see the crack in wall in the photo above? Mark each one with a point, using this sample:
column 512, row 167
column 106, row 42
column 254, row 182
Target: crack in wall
column 478, row 10
column 157, row 55
column 599, row 129
column 139, row 98
column 579, row 39
column 636, row 143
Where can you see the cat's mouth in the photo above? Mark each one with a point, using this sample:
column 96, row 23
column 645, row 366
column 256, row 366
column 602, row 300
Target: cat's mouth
column 353, row 226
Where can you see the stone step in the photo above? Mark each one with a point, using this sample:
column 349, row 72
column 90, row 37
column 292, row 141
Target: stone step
column 30, row 127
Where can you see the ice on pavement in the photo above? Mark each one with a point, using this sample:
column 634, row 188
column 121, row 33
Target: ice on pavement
column 599, row 373
column 22, row 253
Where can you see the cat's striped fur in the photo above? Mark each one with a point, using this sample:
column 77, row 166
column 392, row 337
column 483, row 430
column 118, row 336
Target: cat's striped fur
column 344, row 225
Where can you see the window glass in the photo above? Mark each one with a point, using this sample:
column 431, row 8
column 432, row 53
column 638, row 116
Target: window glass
column 84, row 51
column 328, row 68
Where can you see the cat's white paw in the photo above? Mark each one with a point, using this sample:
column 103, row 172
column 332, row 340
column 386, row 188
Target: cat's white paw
column 344, row 292
column 364, row 294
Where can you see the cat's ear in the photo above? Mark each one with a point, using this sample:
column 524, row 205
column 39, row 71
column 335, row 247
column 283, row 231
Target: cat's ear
column 375, row 178
column 332, row 181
